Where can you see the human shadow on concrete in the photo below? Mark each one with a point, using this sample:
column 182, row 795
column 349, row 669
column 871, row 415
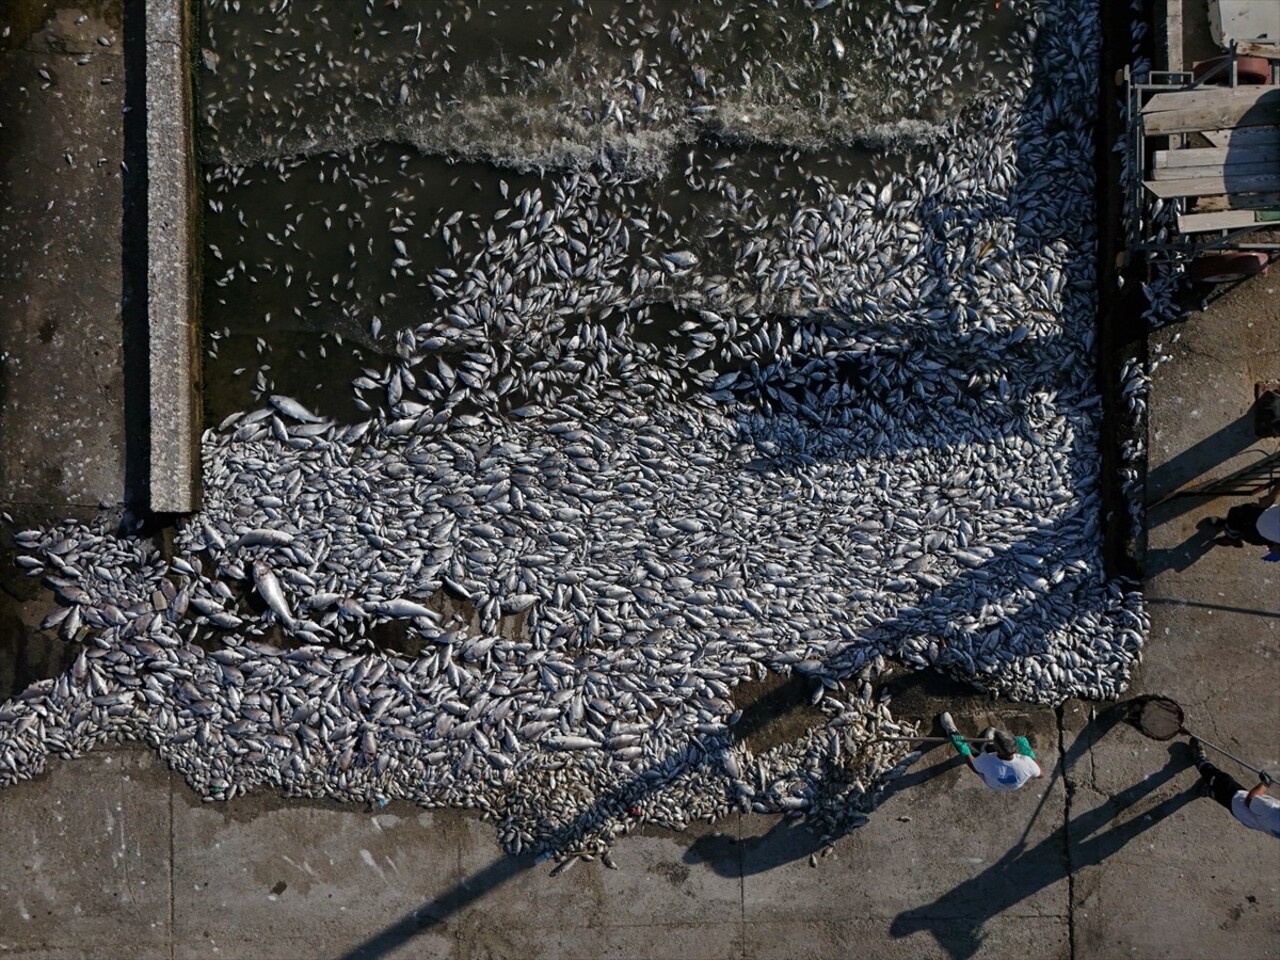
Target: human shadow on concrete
column 956, row 918
column 1179, row 558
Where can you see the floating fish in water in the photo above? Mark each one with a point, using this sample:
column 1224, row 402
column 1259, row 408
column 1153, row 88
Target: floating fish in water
column 292, row 408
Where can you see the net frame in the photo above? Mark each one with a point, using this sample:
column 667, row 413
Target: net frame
column 1161, row 718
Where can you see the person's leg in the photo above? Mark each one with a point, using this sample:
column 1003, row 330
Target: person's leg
column 1242, row 523
column 1222, row 786
column 949, row 727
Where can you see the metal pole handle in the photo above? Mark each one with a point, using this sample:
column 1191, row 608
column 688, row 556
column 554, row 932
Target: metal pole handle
column 1213, row 746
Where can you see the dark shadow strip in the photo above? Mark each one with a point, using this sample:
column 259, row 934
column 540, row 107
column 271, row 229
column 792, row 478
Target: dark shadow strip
column 134, row 253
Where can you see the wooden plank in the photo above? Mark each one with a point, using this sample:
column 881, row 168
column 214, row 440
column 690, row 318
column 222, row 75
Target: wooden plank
column 1216, row 156
column 1227, row 220
column 1264, row 111
column 1230, row 172
column 1215, row 98
column 1269, row 50
column 1244, row 136
column 1208, row 186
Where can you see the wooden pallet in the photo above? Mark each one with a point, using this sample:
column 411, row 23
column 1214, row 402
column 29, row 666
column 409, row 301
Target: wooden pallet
column 1230, row 172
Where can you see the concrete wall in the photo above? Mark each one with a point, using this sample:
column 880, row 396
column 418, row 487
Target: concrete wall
column 172, row 275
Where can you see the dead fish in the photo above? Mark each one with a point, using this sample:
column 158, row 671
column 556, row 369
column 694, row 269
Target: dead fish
column 262, row 537
column 400, row 607
column 292, row 408
column 269, row 588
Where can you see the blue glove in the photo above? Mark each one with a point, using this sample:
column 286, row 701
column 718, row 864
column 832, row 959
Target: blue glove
column 1024, row 747
column 1272, row 557
column 961, row 745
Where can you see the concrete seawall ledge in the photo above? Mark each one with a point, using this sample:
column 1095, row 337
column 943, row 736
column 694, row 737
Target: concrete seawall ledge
column 62, row 422
column 174, row 473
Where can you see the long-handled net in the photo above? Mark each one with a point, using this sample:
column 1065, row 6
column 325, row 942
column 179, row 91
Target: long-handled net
column 1162, row 719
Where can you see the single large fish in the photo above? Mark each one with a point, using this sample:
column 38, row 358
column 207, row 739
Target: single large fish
column 268, row 587
column 292, row 408
column 261, row 537
column 400, row 607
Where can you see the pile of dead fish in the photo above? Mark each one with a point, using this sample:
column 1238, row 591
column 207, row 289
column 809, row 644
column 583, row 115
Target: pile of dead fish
column 875, row 445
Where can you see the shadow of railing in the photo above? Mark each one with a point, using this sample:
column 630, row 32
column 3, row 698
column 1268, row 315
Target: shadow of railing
column 1247, row 611
column 1241, row 483
column 1171, row 477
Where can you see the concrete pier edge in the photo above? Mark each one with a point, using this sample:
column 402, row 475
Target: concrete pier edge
column 172, row 309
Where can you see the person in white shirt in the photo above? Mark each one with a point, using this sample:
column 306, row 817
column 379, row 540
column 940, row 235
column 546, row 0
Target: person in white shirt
column 1005, row 764
column 1254, row 808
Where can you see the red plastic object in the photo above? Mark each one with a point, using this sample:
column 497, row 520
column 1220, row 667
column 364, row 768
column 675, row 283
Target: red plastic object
column 1248, row 70
column 1225, row 267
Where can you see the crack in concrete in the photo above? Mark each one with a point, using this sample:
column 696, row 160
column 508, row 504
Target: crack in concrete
column 171, row 867
column 1068, row 788
column 1093, row 762
column 742, row 889
column 1197, row 352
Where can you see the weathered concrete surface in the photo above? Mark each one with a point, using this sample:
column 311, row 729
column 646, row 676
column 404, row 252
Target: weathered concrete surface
column 174, row 342
column 263, row 877
column 1169, row 35
column 268, row 879
column 1202, row 428
column 61, row 386
column 1168, row 873
column 1111, row 855
column 1209, row 887
column 87, row 861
